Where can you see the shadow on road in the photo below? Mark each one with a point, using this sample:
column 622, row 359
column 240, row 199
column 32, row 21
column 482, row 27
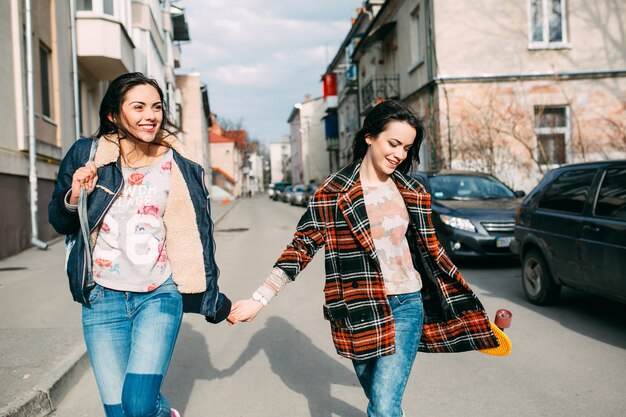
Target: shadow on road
column 186, row 368
column 595, row 317
column 301, row 366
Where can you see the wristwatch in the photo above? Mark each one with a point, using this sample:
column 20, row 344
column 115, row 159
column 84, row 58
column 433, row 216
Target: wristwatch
column 258, row 297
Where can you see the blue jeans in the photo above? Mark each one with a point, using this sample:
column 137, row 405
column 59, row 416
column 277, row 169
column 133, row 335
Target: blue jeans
column 384, row 379
column 130, row 338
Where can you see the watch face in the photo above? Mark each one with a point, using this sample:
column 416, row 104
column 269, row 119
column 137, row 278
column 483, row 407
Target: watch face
column 258, row 297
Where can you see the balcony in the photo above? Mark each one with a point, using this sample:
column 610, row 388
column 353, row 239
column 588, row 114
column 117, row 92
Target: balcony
column 379, row 89
column 103, row 47
column 332, row 144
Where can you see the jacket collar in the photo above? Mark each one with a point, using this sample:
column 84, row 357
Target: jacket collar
column 108, row 150
column 348, row 177
column 351, row 203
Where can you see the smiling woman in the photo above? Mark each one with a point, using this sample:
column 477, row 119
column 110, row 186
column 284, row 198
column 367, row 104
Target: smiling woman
column 151, row 239
column 390, row 287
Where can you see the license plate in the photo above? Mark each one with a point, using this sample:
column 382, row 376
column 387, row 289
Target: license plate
column 504, row 242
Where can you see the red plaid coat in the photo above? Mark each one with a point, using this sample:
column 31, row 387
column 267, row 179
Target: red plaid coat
column 356, row 303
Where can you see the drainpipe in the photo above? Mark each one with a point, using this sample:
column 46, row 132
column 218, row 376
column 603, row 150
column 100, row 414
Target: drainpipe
column 430, row 70
column 32, row 151
column 75, row 68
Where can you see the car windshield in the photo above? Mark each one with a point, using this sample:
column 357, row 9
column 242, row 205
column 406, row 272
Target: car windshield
column 468, row 187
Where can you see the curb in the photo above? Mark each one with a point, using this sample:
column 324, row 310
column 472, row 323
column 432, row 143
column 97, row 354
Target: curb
column 52, row 388
column 48, row 393
column 228, row 209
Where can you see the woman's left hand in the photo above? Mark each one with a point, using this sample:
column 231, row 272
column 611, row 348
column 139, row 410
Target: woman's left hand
column 244, row 311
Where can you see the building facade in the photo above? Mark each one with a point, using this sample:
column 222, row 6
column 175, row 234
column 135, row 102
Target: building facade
column 309, row 154
column 37, row 81
column 539, row 83
column 195, row 116
column 59, row 61
column 345, row 70
column 280, row 161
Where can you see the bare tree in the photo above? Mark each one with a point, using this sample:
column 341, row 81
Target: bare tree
column 229, row 124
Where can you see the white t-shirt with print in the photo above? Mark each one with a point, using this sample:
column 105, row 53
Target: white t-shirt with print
column 389, row 220
column 130, row 252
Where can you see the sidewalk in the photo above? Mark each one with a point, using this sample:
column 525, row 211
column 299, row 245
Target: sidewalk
column 42, row 352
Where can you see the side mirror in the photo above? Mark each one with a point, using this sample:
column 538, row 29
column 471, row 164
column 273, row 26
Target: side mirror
column 520, row 193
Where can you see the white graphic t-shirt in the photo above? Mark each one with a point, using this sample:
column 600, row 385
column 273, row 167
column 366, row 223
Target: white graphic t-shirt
column 130, row 252
column 389, row 221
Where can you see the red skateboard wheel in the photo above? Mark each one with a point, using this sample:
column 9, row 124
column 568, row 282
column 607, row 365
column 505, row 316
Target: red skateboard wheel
column 503, row 318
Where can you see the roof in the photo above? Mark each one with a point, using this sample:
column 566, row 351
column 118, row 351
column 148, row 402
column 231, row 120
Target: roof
column 239, row 137
column 224, row 174
column 215, row 138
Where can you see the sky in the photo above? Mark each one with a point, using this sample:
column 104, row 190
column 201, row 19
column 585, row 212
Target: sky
column 260, row 57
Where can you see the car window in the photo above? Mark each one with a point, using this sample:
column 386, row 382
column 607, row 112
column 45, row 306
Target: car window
column 612, row 196
column 468, row 187
column 568, row 192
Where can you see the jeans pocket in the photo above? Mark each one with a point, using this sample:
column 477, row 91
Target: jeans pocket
column 96, row 294
column 414, row 297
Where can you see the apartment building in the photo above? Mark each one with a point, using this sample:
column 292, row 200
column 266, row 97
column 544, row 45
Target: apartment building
column 36, row 78
column 59, row 61
column 344, row 70
column 195, row 118
column 309, row 154
column 511, row 88
column 280, row 161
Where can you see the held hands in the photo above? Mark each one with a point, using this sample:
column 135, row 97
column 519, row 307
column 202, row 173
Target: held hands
column 85, row 177
column 244, row 311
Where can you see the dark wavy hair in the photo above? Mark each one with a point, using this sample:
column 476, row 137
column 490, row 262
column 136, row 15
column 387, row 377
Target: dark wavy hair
column 112, row 105
column 377, row 120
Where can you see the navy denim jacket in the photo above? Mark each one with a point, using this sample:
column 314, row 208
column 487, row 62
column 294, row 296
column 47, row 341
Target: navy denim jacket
column 191, row 248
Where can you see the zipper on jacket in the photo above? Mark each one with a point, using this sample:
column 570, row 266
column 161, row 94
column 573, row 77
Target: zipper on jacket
column 91, row 283
column 217, row 270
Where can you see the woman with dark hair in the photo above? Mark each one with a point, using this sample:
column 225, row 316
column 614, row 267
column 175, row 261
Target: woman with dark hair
column 151, row 244
column 390, row 288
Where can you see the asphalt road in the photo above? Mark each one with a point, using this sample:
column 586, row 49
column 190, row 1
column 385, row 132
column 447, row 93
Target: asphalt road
column 567, row 360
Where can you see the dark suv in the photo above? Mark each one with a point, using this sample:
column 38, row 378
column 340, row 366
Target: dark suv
column 571, row 230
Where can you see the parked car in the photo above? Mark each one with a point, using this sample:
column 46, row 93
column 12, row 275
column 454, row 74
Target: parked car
column 301, row 194
column 473, row 212
column 285, row 196
column 571, row 230
column 276, row 189
column 298, row 196
column 308, row 193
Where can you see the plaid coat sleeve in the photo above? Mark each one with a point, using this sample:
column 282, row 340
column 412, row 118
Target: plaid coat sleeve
column 307, row 240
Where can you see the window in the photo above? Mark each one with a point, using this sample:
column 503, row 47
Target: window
column 612, row 196
column 101, row 6
column 547, row 22
column 568, row 192
column 84, row 5
column 552, row 130
column 107, row 7
column 416, row 39
column 44, row 75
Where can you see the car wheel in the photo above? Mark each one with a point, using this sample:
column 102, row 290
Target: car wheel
column 537, row 281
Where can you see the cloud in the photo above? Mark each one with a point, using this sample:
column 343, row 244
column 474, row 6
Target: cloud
column 260, row 57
